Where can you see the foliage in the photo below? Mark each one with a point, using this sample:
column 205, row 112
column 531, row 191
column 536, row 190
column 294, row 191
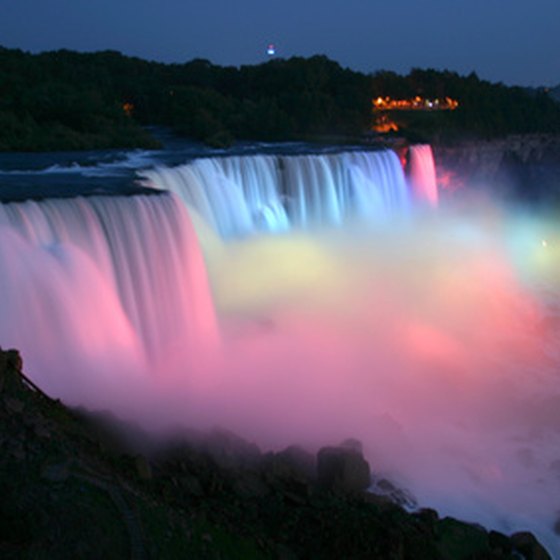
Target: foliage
column 69, row 100
column 486, row 110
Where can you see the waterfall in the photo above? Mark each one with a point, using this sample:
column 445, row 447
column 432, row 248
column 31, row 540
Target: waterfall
column 422, row 172
column 241, row 195
column 102, row 275
column 325, row 334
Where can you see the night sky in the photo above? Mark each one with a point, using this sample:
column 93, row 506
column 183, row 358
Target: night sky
column 513, row 41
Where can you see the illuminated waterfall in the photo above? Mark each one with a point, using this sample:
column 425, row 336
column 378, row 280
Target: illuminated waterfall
column 240, row 195
column 102, row 276
column 423, row 174
column 434, row 344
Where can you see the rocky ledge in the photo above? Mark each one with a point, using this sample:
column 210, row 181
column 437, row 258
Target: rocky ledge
column 75, row 485
column 524, row 167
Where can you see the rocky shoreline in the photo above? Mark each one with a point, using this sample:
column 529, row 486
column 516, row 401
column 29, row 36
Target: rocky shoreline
column 73, row 485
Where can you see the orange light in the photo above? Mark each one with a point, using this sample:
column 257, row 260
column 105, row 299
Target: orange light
column 128, row 108
column 383, row 125
column 417, row 103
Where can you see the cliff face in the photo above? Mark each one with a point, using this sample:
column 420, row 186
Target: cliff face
column 523, row 167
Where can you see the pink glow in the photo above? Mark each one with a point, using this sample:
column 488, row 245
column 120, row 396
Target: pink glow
column 422, row 174
column 423, row 341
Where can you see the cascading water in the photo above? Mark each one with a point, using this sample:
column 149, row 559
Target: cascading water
column 240, row 195
column 422, row 173
column 424, row 341
column 102, row 277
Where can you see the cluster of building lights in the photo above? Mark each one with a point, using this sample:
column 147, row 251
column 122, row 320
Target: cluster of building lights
column 415, row 104
column 381, row 105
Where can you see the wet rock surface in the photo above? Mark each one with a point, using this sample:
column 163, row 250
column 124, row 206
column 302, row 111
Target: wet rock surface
column 519, row 167
column 72, row 487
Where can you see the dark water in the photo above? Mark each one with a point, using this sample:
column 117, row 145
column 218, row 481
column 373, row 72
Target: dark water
column 111, row 172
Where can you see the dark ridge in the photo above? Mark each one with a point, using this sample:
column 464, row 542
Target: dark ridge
column 64, row 100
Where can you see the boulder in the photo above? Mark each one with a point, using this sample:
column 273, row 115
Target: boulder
column 343, row 468
column 143, row 468
column 10, row 364
column 526, row 543
column 230, row 451
column 499, row 543
column 293, row 463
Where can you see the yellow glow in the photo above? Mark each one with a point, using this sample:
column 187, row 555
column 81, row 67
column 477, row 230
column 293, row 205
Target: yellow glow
column 273, row 270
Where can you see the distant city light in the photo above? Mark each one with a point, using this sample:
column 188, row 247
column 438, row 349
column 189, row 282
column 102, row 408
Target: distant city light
column 415, row 104
column 271, row 50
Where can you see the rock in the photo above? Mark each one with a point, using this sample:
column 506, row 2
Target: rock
column 284, row 553
column 428, row 515
column 191, row 485
column 342, row 469
column 499, row 543
column 14, row 360
column 293, row 463
column 461, row 540
column 249, row 485
column 399, row 496
column 10, row 364
column 18, row 453
column 3, row 361
column 41, row 431
column 231, row 451
column 353, row 445
column 143, row 468
column 14, row 405
column 526, row 543
column 55, row 473
column 518, row 165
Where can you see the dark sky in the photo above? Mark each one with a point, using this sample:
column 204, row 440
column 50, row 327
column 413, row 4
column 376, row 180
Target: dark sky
column 513, row 41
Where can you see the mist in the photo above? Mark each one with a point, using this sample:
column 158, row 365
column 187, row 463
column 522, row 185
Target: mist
column 432, row 338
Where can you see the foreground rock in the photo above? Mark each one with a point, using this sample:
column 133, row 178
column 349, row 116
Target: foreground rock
column 72, row 487
column 343, row 468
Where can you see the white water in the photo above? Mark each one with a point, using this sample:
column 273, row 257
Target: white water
column 106, row 283
column 423, row 174
column 433, row 339
column 241, row 195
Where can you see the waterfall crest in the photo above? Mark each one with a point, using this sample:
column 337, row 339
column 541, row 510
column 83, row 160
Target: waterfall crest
column 241, row 195
column 422, row 171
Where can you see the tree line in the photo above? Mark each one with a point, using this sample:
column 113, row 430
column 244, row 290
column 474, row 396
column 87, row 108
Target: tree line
column 64, row 100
